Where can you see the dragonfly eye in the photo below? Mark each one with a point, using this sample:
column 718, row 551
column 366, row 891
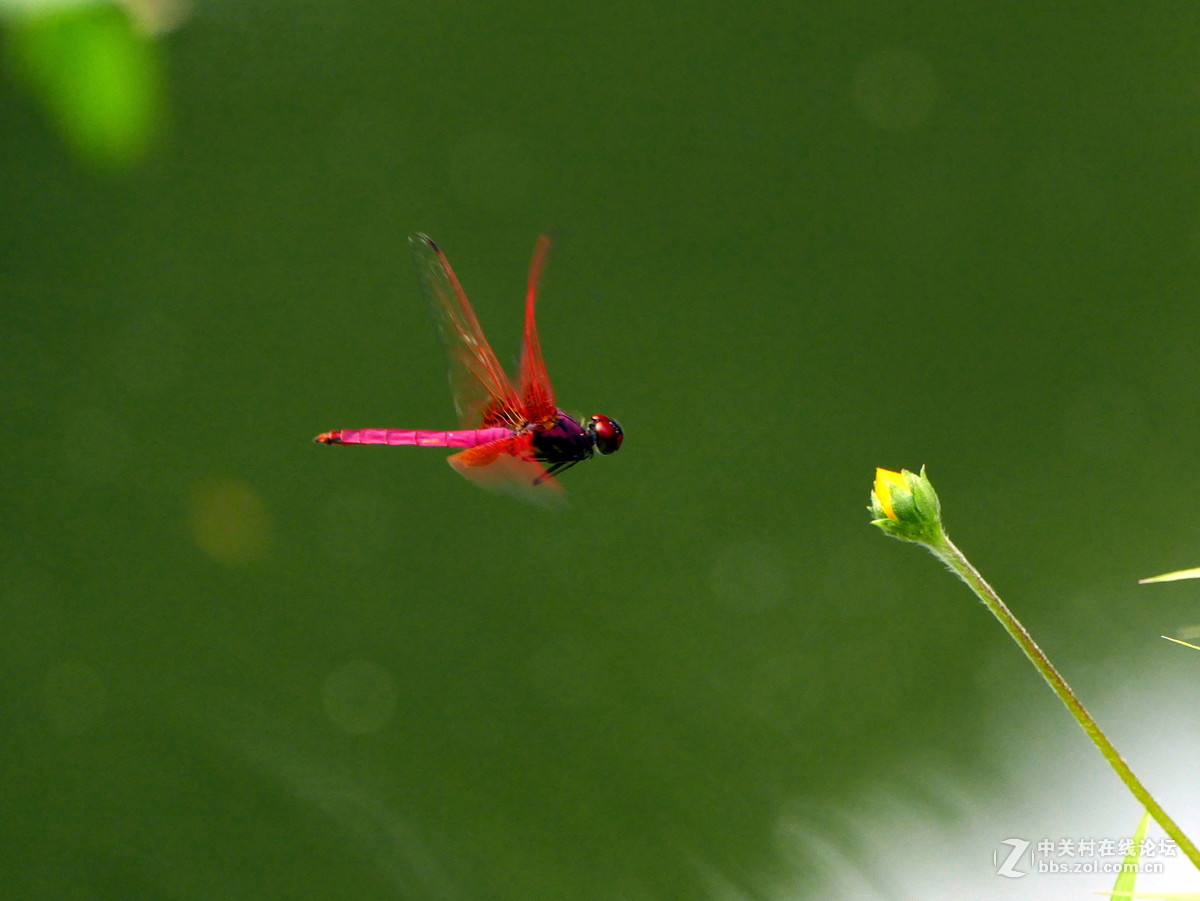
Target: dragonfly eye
column 606, row 434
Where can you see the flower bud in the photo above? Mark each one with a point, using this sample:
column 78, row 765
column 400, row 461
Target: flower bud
column 905, row 506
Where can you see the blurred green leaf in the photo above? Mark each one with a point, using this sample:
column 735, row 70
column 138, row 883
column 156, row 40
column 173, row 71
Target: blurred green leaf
column 1186, row 644
column 1173, row 576
column 1127, row 878
column 97, row 77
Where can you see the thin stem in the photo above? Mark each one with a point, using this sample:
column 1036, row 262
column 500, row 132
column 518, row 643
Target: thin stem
column 954, row 558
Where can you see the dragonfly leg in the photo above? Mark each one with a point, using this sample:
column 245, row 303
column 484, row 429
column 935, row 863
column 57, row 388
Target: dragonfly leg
column 554, row 470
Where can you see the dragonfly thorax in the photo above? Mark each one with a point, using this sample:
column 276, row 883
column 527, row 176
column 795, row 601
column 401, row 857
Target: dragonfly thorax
column 563, row 443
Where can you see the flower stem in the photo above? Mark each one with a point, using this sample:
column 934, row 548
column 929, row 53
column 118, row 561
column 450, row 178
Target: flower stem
column 946, row 550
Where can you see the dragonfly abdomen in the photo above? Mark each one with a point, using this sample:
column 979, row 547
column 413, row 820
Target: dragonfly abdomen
column 416, row 437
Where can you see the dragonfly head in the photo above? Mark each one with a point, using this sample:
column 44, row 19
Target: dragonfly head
column 605, row 433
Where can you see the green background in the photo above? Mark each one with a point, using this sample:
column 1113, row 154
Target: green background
column 794, row 242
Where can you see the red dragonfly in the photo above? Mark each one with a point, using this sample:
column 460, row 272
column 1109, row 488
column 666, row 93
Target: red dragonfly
column 515, row 439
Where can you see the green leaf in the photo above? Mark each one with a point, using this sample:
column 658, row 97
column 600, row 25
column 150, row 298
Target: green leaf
column 98, row 79
column 1123, row 887
column 1173, row 577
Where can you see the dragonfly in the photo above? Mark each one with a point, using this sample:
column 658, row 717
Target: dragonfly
column 514, row 437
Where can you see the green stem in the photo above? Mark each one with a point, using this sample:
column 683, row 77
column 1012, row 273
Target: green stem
column 953, row 557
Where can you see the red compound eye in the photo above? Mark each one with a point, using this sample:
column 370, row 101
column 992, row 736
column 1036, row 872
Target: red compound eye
column 606, row 434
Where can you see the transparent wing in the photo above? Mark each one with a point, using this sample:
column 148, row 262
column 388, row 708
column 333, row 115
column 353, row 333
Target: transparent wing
column 537, row 394
column 505, row 467
column 483, row 395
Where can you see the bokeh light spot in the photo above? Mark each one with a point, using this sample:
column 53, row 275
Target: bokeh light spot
column 360, row 697
column 157, row 17
column 228, row 520
column 74, row 698
column 895, row 90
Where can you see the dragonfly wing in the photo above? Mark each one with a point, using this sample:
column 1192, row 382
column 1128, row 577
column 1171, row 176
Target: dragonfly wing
column 506, row 467
column 482, row 392
column 537, row 395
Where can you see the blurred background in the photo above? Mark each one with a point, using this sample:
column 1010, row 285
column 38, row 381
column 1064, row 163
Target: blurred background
column 793, row 243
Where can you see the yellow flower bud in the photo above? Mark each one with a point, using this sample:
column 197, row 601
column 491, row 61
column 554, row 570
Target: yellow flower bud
column 885, row 481
column 905, row 506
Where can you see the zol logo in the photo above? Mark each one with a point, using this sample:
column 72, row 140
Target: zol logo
column 1007, row 867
